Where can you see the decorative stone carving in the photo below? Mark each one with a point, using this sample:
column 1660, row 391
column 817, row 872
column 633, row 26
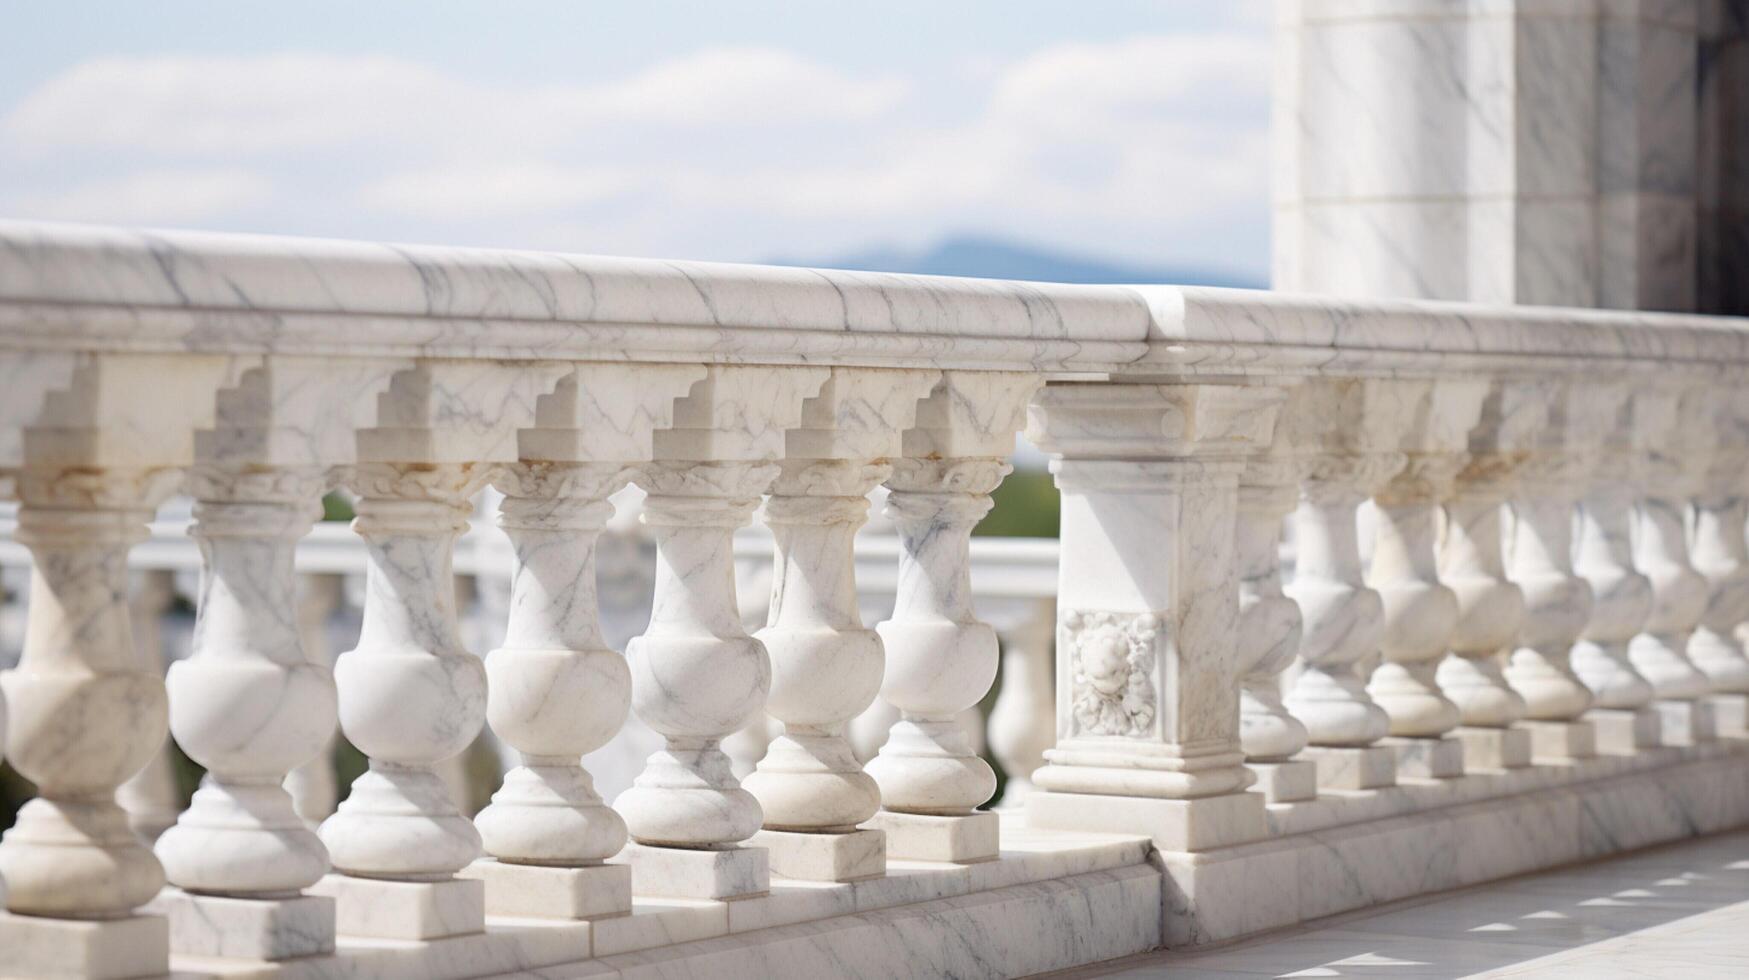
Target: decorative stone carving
column 1111, row 658
column 1621, row 596
column 1719, row 551
column 1674, row 445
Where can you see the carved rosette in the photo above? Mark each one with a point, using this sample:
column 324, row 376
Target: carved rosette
column 1111, row 658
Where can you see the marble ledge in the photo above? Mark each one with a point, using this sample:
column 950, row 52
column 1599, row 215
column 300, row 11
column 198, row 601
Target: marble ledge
column 1335, row 808
column 115, row 290
column 1030, row 859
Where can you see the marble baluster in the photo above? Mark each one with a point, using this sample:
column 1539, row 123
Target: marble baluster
column 1021, row 726
column 1673, row 459
column 97, row 458
column 1472, row 562
column 697, row 676
column 1621, row 714
column 248, row 703
column 1148, row 737
column 557, row 691
column 151, row 796
column 1344, row 434
column 941, row 659
column 312, row 784
column 1268, row 633
column 826, row 667
column 1558, row 601
column 411, row 695
column 1421, row 611
column 1720, row 555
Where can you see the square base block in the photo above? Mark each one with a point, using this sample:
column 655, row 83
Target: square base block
column 675, row 872
column 1175, row 825
column 1285, row 782
column 379, row 909
column 1685, row 722
column 1730, row 714
column 1427, row 758
column 553, row 893
column 247, row 928
column 1561, row 741
column 1619, row 731
column 1495, row 748
column 1367, row 767
column 825, row 857
column 108, row 949
column 922, row 837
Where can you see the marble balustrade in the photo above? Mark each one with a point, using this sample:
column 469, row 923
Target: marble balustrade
column 1514, row 586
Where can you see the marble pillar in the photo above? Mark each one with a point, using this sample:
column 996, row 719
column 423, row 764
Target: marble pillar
column 942, row 659
column 1621, row 714
column 697, row 676
column 99, row 452
column 1721, row 557
column 1472, row 562
column 826, row 667
column 556, row 690
column 1558, row 601
column 1673, row 459
column 1420, row 611
column 411, row 694
column 1344, row 434
column 1148, row 736
column 1267, row 636
column 1023, row 720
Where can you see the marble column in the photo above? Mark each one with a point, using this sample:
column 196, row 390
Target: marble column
column 313, row 784
column 1721, row 557
column 151, row 796
column 1148, row 736
column 1472, row 562
column 99, row 454
column 1267, row 637
column 1558, row 601
column 1420, row 611
column 697, row 676
column 1674, row 451
column 411, row 695
column 941, row 659
column 248, row 704
column 1344, row 433
column 1621, row 714
column 1022, row 721
column 826, row 667
column 556, row 690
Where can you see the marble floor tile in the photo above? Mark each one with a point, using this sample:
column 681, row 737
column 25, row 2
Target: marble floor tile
column 1681, row 910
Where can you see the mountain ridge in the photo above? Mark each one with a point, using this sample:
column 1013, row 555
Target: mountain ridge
column 988, row 257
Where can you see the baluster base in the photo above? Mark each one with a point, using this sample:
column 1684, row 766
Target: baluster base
column 964, row 839
column 1427, row 758
column 1495, row 748
column 247, row 928
column 674, row 872
column 1286, row 782
column 1685, row 723
column 380, row 909
column 1369, row 767
column 1202, row 824
column 545, row 892
column 1561, row 741
column 1621, row 731
column 1730, row 714
column 97, row 949
column 825, row 857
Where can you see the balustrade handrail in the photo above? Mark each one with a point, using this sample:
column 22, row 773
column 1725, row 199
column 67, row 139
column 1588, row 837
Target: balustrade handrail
column 97, row 288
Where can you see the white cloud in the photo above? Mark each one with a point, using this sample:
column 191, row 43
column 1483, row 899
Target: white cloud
column 493, row 191
column 1146, row 146
column 161, row 196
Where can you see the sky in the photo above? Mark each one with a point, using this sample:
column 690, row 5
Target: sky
column 1133, row 130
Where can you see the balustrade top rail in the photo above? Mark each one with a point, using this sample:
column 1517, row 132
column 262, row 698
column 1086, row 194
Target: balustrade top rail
column 95, row 288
